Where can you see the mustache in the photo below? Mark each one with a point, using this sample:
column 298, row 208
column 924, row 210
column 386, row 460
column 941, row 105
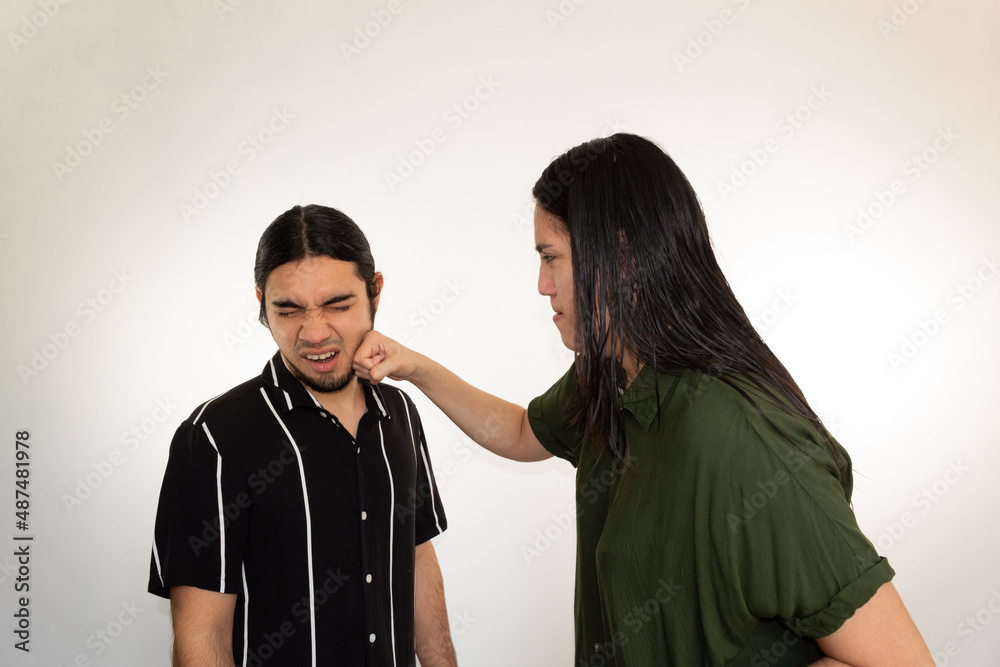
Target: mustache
column 332, row 342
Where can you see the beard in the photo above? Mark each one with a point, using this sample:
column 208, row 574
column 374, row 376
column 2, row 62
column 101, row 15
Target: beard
column 326, row 384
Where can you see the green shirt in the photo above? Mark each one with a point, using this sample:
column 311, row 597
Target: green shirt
column 725, row 545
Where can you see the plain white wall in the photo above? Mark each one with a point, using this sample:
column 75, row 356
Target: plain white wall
column 840, row 98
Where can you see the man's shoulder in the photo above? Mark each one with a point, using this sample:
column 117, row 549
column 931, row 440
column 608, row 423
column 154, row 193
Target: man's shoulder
column 243, row 399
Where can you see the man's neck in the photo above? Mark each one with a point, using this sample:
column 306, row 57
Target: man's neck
column 349, row 399
column 347, row 405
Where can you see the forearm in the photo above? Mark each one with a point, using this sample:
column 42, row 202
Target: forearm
column 430, row 625
column 202, row 651
column 490, row 421
column 829, row 662
column 495, row 424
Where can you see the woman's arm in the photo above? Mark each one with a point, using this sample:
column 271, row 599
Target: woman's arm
column 498, row 425
column 880, row 634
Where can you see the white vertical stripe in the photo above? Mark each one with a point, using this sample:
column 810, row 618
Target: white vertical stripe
column 156, row 559
column 274, row 373
column 379, row 401
column 413, row 440
column 222, row 515
column 427, row 467
column 246, row 615
column 392, row 511
column 194, row 422
column 309, row 548
column 430, row 485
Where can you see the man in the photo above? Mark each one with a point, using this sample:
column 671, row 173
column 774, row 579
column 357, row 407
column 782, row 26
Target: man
column 296, row 512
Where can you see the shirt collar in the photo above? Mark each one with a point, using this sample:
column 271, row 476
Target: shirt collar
column 647, row 393
column 290, row 393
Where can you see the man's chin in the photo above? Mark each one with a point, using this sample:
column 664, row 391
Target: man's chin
column 324, row 384
column 330, row 385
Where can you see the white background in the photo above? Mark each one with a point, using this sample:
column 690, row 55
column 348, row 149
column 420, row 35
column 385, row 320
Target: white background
column 716, row 83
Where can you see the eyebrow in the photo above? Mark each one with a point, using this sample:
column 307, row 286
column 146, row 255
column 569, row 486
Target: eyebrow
column 288, row 303
column 541, row 247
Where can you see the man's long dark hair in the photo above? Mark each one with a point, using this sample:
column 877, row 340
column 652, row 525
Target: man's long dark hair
column 311, row 231
column 646, row 281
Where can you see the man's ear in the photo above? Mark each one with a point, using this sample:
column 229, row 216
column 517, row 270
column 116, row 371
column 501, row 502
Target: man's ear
column 378, row 283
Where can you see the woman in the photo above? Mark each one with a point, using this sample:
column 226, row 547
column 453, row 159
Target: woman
column 714, row 524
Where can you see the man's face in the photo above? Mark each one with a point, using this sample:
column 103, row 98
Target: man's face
column 318, row 312
column 555, row 275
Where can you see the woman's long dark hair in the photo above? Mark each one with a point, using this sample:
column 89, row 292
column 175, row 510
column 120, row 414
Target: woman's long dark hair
column 646, row 281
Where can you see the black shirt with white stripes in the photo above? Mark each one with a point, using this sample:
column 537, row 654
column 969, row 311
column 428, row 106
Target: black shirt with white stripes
column 268, row 497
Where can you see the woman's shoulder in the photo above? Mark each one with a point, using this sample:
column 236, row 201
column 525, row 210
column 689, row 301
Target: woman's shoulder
column 729, row 418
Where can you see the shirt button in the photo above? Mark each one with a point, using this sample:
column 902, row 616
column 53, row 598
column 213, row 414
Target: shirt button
column 359, row 450
column 597, row 648
column 368, row 578
column 371, row 638
column 323, row 415
column 364, row 515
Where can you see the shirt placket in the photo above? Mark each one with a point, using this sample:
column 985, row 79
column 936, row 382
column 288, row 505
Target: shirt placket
column 368, row 532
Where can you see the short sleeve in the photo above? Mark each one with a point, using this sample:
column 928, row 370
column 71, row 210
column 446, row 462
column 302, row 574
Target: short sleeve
column 790, row 544
column 430, row 519
column 200, row 530
column 549, row 417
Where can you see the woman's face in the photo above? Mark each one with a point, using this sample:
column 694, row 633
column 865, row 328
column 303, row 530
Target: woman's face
column 555, row 275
